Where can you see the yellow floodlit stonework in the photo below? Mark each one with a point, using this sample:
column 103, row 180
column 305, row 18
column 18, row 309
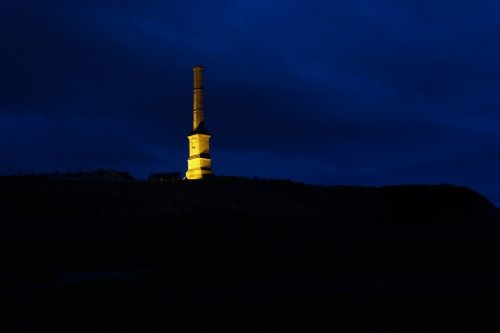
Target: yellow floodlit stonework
column 199, row 162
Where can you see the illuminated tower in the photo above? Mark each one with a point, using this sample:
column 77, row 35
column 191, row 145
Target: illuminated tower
column 199, row 162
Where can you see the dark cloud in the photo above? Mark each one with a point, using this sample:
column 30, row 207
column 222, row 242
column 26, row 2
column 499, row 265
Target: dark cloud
column 328, row 92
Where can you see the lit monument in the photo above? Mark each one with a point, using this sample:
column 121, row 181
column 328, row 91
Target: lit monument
column 199, row 162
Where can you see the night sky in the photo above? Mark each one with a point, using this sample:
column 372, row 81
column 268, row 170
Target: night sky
column 362, row 92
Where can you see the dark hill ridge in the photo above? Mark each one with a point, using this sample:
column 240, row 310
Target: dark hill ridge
column 226, row 217
column 32, row 198
column 225, row 250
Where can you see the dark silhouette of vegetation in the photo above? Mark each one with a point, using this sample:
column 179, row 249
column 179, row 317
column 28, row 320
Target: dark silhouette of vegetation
column 165, row 177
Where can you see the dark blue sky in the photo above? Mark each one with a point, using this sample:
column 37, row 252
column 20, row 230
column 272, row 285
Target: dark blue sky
column 366, row 92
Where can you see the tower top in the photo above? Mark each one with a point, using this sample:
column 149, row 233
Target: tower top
column 198, row 68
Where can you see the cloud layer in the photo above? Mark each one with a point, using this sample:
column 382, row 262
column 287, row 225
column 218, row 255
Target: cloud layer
column 326, row 92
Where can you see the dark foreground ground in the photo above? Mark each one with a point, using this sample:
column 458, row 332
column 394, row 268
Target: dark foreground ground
column 242, row 255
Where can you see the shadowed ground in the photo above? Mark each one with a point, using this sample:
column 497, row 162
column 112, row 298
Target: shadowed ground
column 245, row 256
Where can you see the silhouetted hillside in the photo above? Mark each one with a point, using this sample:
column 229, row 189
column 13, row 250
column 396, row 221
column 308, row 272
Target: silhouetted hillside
column 259, row 243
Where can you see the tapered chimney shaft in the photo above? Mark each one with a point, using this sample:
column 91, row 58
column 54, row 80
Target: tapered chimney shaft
column 198, row 103
column 199, row 161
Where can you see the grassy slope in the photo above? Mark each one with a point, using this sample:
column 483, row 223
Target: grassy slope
column 232, row 247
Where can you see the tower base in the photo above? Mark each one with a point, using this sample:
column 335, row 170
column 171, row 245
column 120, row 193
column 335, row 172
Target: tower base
column 199, row 161
column 199, row 174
